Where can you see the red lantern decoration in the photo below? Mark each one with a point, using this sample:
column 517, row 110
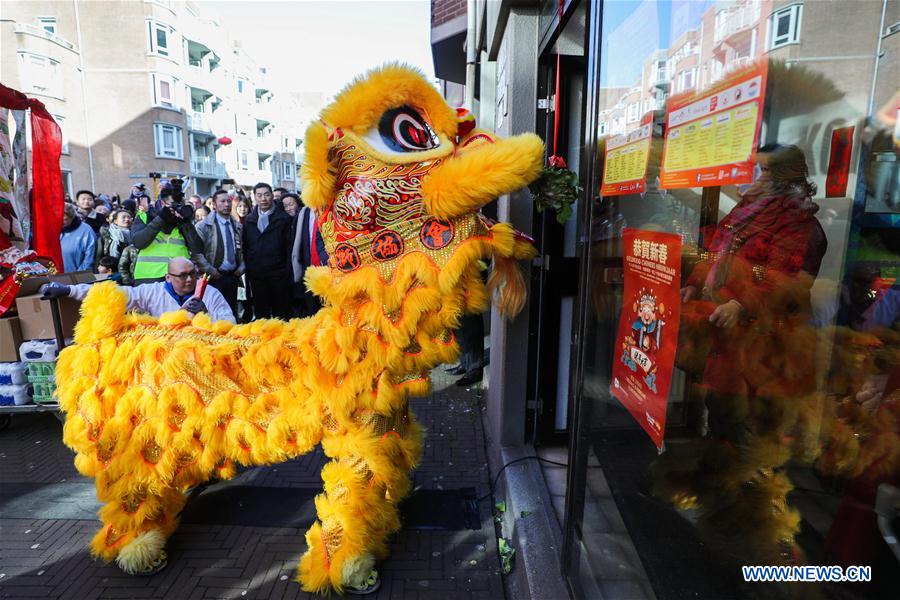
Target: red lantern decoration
column 224, row 140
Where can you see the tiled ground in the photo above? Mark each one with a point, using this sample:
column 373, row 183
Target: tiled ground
column 48, row 558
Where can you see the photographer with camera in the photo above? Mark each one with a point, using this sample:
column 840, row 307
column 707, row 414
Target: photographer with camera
column 167, row 235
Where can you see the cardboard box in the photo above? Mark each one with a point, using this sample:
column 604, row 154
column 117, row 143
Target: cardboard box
column 36, row 319
column 10, row 339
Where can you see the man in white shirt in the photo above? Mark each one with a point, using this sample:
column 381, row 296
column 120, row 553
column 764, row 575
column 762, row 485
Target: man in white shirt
column 155, row 299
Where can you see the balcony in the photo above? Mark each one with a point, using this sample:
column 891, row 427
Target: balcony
column 40, row 32
column 201, row 123
column 207, row 167
column 735, row 20
column 207, row 83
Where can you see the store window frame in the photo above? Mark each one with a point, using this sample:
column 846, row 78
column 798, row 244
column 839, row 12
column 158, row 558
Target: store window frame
column 794, row 14
column 174, row 152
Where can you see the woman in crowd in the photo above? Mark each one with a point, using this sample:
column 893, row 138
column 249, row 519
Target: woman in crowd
column 115, row 236
column 200, row 214
column 241, row 209
column 291, row 203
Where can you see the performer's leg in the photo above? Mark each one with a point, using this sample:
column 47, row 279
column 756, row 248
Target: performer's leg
column 363, row 484
column 135, row 528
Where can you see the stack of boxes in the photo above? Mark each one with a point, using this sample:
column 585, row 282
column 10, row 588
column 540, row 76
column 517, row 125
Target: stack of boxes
column 27, row 342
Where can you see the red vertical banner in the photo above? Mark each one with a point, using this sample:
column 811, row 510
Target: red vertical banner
column 839, row 162
column 648, row 327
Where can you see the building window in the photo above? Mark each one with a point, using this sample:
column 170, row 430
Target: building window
column 168, row 141
column 287, row 171
column 164, row 88
column 634, row 110
column 61, row 121
column 41, row 74
column 245, row 160
column 48, row 24
column 240, row 86
column 67, row 183
column 784, row 26
column 160, row 38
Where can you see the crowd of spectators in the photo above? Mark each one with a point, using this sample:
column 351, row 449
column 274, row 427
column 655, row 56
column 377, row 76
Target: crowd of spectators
column 248, row 247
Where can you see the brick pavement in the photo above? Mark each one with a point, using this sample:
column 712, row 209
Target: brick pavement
column 48, row 558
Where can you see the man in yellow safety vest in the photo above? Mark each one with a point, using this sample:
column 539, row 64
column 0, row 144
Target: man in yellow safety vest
column 168, row 234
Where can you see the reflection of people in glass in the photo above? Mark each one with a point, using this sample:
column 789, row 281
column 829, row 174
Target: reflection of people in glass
column 745, row 321
column 758, row 268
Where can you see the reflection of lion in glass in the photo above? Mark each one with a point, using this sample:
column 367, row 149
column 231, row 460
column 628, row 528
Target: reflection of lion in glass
column 154, row 407
column 748, row 339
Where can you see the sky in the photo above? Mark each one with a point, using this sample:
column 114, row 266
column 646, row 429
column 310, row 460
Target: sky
column 320, row 45
column 634, row 29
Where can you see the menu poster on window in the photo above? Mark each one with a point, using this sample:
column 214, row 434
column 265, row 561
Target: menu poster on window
column 625, row 162
column 711, row 138
column 646, row 341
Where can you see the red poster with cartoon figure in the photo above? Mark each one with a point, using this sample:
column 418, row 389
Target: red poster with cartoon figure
column 648, row 328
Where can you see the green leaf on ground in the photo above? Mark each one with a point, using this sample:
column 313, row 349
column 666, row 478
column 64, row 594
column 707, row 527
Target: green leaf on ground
column 501, row 506
column 524, row 513
column 507, row 555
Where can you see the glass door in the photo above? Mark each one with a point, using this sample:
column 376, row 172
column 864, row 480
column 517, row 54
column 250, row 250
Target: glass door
column 736, row 384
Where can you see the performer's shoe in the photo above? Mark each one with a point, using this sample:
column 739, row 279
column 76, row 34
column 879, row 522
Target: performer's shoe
column 369, row 586
column 456, row 369
column 470, row 378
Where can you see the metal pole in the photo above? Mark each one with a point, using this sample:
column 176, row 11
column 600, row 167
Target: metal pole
column 87, row 129
column 471, row 54
column 877, row 59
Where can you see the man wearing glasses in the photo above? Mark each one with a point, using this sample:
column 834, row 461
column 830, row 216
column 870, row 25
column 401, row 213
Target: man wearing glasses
column 154, row 299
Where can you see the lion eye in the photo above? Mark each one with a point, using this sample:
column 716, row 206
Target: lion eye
column 403, row 129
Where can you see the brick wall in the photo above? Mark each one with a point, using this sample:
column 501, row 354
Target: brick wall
column 446, row 10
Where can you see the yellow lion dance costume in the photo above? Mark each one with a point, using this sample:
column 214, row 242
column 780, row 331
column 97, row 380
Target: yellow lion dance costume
column 154, row 407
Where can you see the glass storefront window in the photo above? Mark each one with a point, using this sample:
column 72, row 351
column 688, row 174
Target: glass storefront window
column 760, row 420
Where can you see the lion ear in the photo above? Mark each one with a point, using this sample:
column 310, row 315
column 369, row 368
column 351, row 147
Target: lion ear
column 317, row 174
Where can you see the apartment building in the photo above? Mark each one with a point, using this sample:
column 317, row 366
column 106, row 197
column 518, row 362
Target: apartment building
column 149, row 86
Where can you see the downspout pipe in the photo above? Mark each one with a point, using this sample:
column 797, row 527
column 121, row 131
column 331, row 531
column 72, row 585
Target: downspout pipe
column 471, row 53
column 87, row 129
column 878, row 54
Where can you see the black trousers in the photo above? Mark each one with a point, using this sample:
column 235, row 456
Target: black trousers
column 271, row 295
column 228, row 285
column 470, row 337
column 306, row 304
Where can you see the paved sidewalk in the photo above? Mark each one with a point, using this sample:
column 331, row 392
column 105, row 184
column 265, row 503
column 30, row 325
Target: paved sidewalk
column 48, row 558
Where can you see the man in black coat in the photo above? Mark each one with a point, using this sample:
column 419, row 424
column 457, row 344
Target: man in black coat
column 267, row 247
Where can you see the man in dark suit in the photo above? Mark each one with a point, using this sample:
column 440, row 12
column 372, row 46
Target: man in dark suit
column 267, row 243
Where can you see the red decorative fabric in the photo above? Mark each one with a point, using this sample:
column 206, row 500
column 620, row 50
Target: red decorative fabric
column 46, row 189
column 314, row 257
